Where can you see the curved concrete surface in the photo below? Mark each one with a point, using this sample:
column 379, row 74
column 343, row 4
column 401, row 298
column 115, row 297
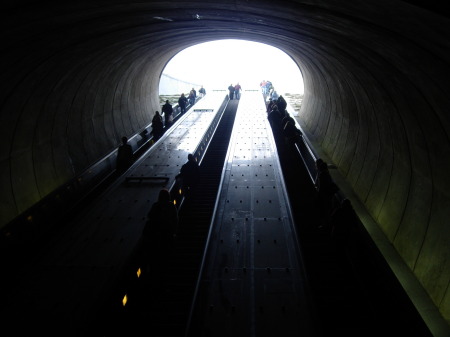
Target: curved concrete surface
column 78, row 75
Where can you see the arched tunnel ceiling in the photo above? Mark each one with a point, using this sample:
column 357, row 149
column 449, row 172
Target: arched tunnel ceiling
column 76, row 76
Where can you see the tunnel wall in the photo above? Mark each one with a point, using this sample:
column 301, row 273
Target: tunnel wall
column 384, row 123
column 68, row 111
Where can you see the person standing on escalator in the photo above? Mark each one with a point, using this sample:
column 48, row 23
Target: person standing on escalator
column 158, row 236
column 202, row 92
column 167, row 109
column 231, row 91
column 124, row 156
column 157, row 126
column 182, row 102
column 237, row 91
column 189, row 174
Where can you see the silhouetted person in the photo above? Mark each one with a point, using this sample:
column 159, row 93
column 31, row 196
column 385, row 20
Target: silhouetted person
column 275, row 118
column 182, row 102
column 281, row 103
column 326, row 188
column 157, row 126
column 343, row 219
column 124, row 156
column 270, row 105
column 290, row 132
column 158, row 236
column 231, row 91
column 189, row 174
column 167, row 109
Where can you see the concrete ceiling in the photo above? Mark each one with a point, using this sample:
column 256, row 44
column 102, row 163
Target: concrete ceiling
column 76, row 76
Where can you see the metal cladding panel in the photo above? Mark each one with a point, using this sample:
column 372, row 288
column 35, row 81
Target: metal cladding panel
column 266, row 202
column 252, row 282
column 231, row 248
column 227, row 312
column 270, row 248
column 263, row 173
column 280, row 298
column 237, row 204
column 251, row 174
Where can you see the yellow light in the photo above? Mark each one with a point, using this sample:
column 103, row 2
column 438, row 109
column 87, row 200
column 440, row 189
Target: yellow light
column 29, row 218
column 125, row 300
column 139, row 272
column 174, row 202
column 180, row 191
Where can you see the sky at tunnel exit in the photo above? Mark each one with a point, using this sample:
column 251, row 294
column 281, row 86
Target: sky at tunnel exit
column 218, row 64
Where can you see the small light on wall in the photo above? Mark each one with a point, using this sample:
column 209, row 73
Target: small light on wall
column 139, row 272
column 124, row 300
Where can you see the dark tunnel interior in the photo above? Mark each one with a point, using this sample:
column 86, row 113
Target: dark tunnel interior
column 78, row 75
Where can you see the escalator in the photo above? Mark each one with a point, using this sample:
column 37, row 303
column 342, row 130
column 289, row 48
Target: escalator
column 159, row 304
column 355, row 291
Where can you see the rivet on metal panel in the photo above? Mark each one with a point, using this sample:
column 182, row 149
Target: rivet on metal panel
column 259, row 241
column 228, row 201
column 268, row 270
column 265, row 219
column 211, row 307
column 270, row 201
column 240, row 201
column 221, row 240
column 237, row 240
column 287, row 270
column 246, row 219
column 244, row 270
column 275, row 241
column 232, row 219
column 226, row 269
